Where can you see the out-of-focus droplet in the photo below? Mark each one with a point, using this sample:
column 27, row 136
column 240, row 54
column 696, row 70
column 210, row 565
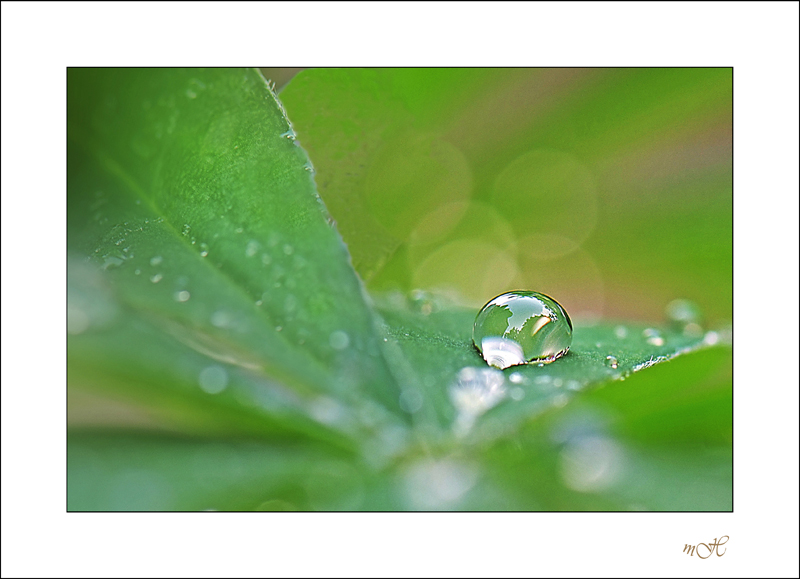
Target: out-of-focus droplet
column 653, row 337
column 213, row 379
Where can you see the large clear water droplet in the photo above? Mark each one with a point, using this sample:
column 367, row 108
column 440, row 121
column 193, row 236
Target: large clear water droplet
column 522, row 327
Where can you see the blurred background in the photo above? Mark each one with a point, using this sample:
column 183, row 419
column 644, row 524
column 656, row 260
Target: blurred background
column 609, row 189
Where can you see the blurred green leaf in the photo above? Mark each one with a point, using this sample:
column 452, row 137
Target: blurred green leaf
column 608, row 188
column 195, row 219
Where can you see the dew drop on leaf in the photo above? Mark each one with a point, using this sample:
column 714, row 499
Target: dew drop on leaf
column 612, row 362
column 522, row 327
column 653, row 337
column 339, row 340
column 213, row 379
column 182, row 296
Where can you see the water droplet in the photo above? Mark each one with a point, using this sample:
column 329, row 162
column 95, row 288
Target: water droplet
column 154, row 261
column 522, row 327
column 190, row 93
column 621, row 332
column 213, row 379
column 137, row 271
column 252, row 248
column 288, row 249
column 278, row 328
column 203, row 250
column 517, row 393
column 290, row 134
column 221, row 319
column 266, row 259
column 309, row 167
column 182, row 296
column 517, row 378
column 112, row 262
column 711, row 338
column 156, row 278
column 612, row 362
column 682, row 312
column 422, row 301
column 238, row 230
column 185, row 230
column 692, row 330
column 339, row 340
column 411, row 400
column 653, row 337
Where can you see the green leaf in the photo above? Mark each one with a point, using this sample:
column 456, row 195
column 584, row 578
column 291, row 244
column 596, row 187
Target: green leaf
column 435, row 339
column 113, row 471
column 210, row 248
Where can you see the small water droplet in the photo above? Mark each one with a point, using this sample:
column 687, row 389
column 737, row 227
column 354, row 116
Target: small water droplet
column 184, row 231
column 711, row 338
column 692, row 330
column 190, row 93
column 517, row 378
column 154, row 261
column 221, row 319
column 259, row 302
column 290, row 134
column 278, row 328
column 266, row 259
column 522, row 327
column 681, row 312
column 239, row 230
column 288, row 249
column 252, row 248
column 203, row 250
column 411, row 400
column 612, row 362
column 309, row 167
column 182, row 296
column 137, row 271
column 111, row 262
column 339, row 340
column 156, row 278
column 621, row 332
column 653, row 337
column 213, row 379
